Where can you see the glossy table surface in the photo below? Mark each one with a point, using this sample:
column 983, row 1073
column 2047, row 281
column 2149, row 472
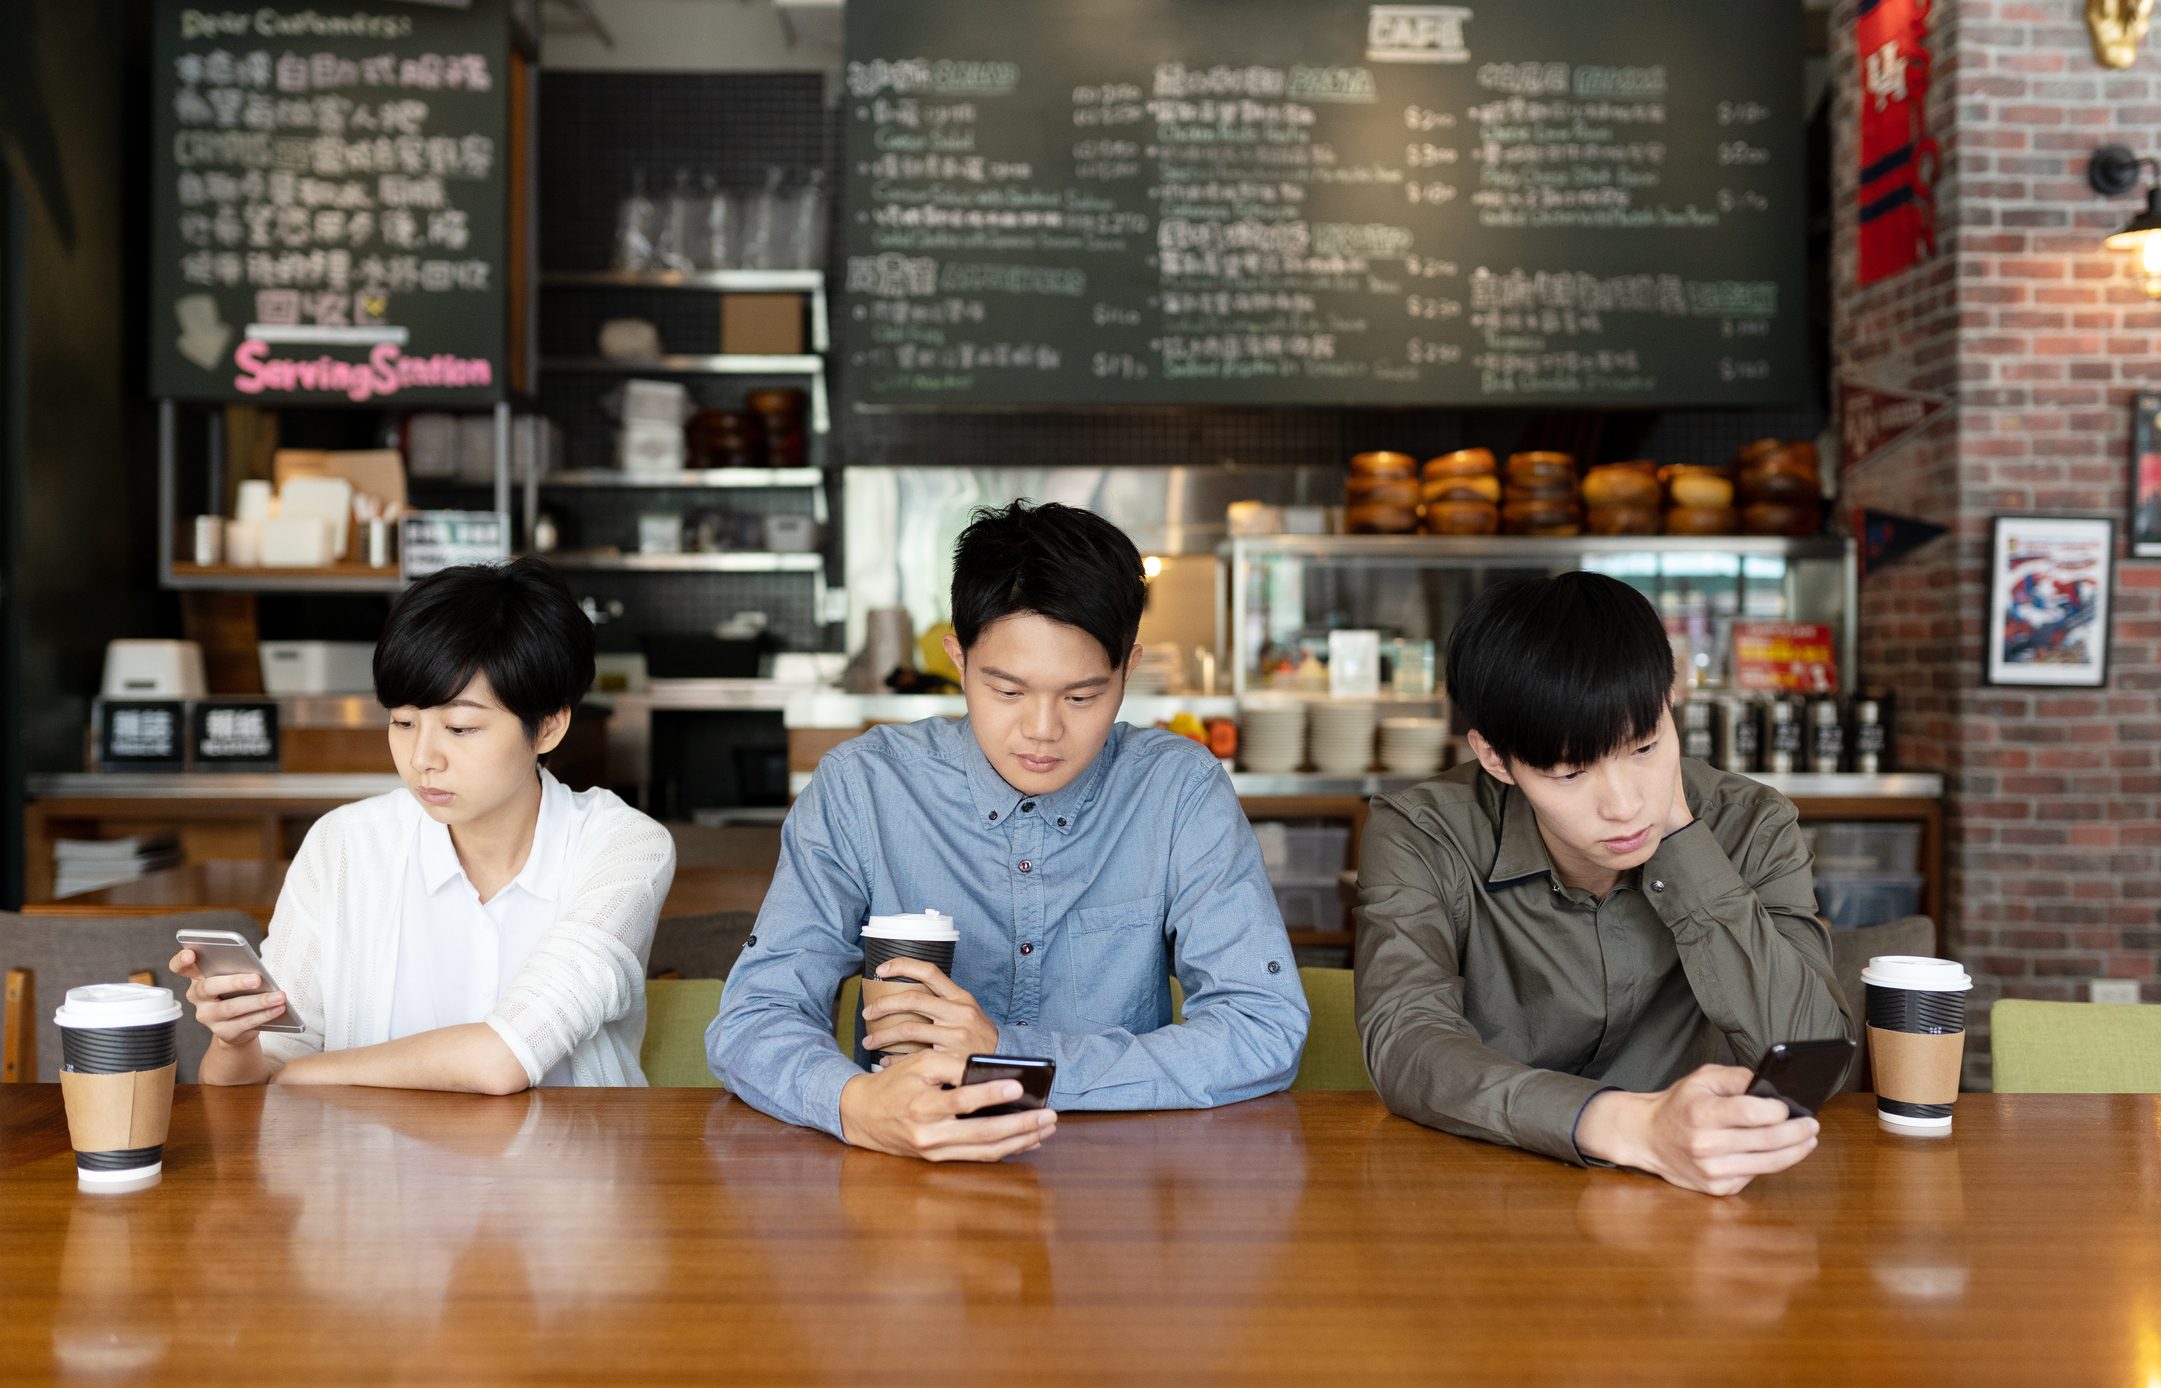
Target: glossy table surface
column 675, row 1236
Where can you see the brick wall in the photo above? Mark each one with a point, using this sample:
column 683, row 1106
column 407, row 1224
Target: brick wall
column 2053, row 846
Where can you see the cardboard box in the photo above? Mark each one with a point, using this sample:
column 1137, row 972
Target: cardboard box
column 761, row 325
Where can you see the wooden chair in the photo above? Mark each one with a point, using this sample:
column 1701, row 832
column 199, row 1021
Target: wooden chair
column 49, row 955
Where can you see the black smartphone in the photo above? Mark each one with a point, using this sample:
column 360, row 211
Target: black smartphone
column 1034, row 1073
column 1803, row 1073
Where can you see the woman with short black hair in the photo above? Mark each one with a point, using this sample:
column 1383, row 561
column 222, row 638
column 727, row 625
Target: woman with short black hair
column 484, row 929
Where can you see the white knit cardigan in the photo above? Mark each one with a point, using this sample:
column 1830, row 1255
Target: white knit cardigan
column 581, row 993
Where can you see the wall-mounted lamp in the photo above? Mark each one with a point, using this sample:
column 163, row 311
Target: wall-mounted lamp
column 2113, row 172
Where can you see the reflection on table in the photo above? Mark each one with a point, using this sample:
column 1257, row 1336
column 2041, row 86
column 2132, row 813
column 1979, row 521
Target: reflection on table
column 677, row 1235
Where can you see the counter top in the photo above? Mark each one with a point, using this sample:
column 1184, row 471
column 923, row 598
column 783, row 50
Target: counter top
column 1260, row 786
column 208, row 785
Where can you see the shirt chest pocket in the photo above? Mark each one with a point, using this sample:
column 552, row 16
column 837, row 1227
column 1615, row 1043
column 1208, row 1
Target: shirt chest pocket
column 1117, row 972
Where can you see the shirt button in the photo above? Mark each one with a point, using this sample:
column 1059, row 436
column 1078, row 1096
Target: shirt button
column 1274, row 967
column 1020, row 1024
column 1027, row 806
column 1658, row 886
column 748, row 943
column 1026, row 866
column 994, row 816
column 1027, row 949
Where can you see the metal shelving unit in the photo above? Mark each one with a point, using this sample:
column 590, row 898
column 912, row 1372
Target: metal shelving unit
column 809, row 282
column 730, row 562
column 743, row 479
column 1472, row 553
column 347, row 577
column 810, row 367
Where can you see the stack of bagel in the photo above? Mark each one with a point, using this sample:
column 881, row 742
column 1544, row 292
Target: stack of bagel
column 1699, row 500
column 1780, row 486
column 1382, row 494
column 1460, row 493
column 1622, row 498
column 1540, row 496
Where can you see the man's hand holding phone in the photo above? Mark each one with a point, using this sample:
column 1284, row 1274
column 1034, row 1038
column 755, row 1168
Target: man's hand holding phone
column 1704, row 1132
column 918, row 1106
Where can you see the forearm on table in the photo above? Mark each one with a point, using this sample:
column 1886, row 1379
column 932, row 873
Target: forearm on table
column 465, row 1059
column 240, row 1064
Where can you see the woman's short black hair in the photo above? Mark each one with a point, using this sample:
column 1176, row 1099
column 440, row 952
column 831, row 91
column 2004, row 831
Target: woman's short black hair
column 1560, row 671
column 516, row 623
column 1055, row 561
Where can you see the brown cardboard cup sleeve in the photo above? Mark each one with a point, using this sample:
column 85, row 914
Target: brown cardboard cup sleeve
column 118, row 1113
column 1916, row 1068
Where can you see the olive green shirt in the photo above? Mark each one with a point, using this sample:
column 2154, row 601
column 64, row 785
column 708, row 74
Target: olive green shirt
column 1494, row 1001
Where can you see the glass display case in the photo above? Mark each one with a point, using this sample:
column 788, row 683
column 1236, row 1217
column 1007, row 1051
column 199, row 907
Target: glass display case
column 1289, row 592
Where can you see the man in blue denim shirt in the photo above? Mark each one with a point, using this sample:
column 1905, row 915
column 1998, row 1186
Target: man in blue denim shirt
column 1082, row 859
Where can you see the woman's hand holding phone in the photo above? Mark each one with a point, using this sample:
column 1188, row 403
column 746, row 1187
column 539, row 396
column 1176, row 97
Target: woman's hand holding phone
column 233, row 1014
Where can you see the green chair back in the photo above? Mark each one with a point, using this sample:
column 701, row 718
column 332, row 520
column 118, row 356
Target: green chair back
column 677, row 1012
column 1333, row 1057
column 2075, row 1047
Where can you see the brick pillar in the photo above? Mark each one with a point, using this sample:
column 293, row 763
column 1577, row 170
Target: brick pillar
column 2041, row 336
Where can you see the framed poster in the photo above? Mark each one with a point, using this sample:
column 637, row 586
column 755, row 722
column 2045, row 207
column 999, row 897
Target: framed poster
column 2048, row 600
column 2146, row 476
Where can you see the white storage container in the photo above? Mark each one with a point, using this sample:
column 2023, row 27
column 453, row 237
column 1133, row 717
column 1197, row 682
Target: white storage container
column 1866, row 846
column 1850, row 901
column 1312, row 908
column 154, row 670
column 791, row 534
column 318, row 667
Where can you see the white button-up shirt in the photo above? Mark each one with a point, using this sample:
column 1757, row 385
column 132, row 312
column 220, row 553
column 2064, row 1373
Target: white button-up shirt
column 458, row 955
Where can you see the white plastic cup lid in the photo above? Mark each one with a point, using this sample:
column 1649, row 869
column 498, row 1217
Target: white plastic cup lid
column 1916, row 973
column 928, row 925
column 117, row 1005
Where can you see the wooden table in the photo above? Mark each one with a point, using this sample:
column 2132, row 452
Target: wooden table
column 252, row 887
column 677, row 1236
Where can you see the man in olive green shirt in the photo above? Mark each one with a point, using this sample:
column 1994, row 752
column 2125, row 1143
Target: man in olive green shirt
column 1580, row 943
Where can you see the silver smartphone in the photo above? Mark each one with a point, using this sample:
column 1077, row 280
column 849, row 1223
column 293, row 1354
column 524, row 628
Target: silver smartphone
column 224, row 953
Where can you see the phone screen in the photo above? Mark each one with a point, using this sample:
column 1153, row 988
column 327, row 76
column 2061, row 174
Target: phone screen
column 1803, row 1073
column 1034, row 1073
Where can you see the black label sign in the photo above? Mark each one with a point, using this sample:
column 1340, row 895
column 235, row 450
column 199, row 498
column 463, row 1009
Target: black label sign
column 1323, row 202
column 330, row 205
column 233, row 736
column 142, row 735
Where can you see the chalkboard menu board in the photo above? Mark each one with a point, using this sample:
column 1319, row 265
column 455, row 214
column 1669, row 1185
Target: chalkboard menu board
column 1055, row 202
column 330, row 203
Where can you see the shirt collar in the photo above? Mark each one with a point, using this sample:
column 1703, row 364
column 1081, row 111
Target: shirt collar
column 996, row 802
column 542, row 875
column 1519, row 851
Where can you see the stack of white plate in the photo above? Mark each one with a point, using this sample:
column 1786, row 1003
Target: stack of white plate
column 1343, row 738
column 1413, row 746
column 1272, row 737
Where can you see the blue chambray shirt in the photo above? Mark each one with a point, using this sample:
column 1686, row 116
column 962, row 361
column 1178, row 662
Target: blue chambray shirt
column 1073, row 910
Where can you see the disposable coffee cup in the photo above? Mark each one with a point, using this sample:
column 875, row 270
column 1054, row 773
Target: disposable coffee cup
column 928, row 936
column 1916, row 1039
column 117, row 1061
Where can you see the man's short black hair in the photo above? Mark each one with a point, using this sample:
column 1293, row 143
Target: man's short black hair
column 1055, row 561
column 515, row 623
column 1560, row 671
